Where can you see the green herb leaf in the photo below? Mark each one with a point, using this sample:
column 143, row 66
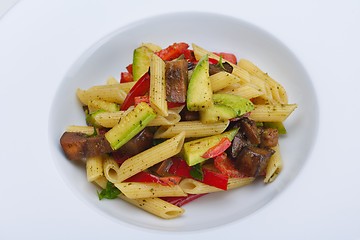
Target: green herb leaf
column 220, row 63
column 110, row 192
column 196, row 172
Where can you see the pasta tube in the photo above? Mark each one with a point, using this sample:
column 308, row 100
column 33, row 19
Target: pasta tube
column 150, row 157
column 157, row 93
column 111, row 93
column 272, row 113
column 192, row 186
column 153, row 205
column 94, row 168
column 274, row 166
column 135, row 190
column 191, row 129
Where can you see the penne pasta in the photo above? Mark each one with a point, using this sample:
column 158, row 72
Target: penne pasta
column 110, row 119
column 111, row 93
column 111, row 170
column 274, row 166
column 111, row 80
column 191, row 129
column 222, row 80
column 153, row 205
column 156, row 206
column 247, row 90
column 173, row 117
column 152, row 47
column 192, row 186
column 278, row 90
column 272, row 113
column 135, row 190
column 150, row 157
column 157, row 93
column 94, row 168
column 239, row 182
column 88, row 130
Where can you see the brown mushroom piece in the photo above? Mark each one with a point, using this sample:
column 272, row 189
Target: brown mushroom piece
column 176, row 76
column 252, row 161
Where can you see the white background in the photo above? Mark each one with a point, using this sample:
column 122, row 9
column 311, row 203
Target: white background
column 322, row 203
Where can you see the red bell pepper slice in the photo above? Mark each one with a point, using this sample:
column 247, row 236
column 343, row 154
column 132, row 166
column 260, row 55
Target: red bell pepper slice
column 139, row 99
column 215, row 179
column 218, row 148
column 173, row 51
column 126, row 77
column 129, row 68
column 180, row 168
column 181, row 201
column 227, row 56
column 189, row 56
column 140, row 88
column 225, row 166
column 213, row 61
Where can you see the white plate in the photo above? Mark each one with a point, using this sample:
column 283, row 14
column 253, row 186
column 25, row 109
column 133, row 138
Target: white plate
column 41, row 41
column 112, row 54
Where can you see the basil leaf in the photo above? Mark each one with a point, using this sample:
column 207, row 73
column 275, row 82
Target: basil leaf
column 110, row 192
column 196, row 172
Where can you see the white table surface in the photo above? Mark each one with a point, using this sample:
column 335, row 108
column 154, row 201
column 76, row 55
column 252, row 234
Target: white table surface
column 323, row 202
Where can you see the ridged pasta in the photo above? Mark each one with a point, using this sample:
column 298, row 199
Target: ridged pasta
column 274, row 166
column 94, row 168
column 192, row 186
column 111, row 93
column 150, row 157
column 191, row 129
column 153, row 205
column 135, row 190
column 157, row 93
column 272, row 113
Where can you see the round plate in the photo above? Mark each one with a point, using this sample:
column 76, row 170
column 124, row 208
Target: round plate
column 216, row 33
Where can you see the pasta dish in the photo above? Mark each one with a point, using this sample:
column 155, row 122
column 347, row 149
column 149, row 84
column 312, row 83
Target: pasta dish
column 180, row 123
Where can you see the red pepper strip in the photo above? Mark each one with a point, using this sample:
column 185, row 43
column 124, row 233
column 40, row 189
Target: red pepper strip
column 218, row 148
column 213, row 61
column 126, row 77
column 140, row 88
column 146, row 177
column 227, row 56
column 215, row 179
column 225, row 166
column 173, row 51
column 140, row 99
column 210, row 177
column 129, row 68
column 189, row 55
column 180, row 168
column 180, row 201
